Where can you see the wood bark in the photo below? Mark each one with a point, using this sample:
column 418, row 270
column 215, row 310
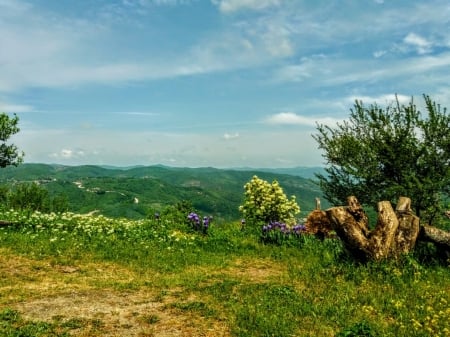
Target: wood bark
column 408, row 227
column 395, row 233
column 435, row 235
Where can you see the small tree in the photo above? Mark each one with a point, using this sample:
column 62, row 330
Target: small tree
column 382, row 154
column 31, row 197
column 265, row 202
column 9, row 153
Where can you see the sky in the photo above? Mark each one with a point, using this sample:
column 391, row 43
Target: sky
column 216, row 83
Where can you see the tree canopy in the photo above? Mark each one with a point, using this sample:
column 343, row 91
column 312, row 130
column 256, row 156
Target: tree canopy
column 9, row 153
column 384, row 153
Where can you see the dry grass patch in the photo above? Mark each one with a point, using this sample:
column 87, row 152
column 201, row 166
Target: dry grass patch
column 98, row 299
column 255, row 270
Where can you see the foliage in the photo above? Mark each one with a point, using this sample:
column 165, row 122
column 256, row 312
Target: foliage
column 361, row 329
column 265, row 202
column 382, row 154
column 9, row 153
column 32, row 197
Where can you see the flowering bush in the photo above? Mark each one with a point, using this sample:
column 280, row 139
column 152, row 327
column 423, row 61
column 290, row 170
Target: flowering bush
column 265, row 203
column 197, row 225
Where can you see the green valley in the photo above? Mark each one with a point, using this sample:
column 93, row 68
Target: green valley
column 138, row 192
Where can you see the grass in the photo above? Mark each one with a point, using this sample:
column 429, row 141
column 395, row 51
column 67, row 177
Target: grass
column 73, row 275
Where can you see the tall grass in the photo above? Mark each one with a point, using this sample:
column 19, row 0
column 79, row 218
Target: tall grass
column 308, row 287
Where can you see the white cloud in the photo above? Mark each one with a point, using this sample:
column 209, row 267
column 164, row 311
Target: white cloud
column 421, row 45
column 386, row 99
column 291, row 118
column 228, row 136
column 54, row 51
column 229, row 6
column 67, row 154
column 15, row 108
column 379, row 53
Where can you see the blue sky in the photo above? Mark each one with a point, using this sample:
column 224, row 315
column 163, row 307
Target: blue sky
column 222, row 83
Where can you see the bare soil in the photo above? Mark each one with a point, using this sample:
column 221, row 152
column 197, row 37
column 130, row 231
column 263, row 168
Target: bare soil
column 103, row 299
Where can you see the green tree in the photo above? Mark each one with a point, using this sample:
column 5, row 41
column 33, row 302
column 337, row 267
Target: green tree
column 30, row 197
column 9, row 153
column 383, row 153
column 265, row 202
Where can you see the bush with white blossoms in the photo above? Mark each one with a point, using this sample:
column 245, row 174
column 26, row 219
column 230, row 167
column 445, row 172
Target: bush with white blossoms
column 265, row 203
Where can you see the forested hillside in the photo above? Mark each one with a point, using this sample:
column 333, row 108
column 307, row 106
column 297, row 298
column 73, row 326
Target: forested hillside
column 139, row 191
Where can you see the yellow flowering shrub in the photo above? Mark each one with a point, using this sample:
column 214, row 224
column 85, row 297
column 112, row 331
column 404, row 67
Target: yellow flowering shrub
column 266, row 202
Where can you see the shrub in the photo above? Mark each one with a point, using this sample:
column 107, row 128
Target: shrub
column 265, row 203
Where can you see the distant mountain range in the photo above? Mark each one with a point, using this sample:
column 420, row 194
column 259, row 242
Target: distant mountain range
column 300, row 171
column 136, row 192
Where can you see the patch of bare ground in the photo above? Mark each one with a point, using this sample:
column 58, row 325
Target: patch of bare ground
column 255, row 270
column 104, row 299
column 110, row 313
column 86, row 299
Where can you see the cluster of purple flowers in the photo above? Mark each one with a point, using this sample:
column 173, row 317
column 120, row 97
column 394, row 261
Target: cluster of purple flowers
column 197, row 224
column 283, row 228
column 278, row 232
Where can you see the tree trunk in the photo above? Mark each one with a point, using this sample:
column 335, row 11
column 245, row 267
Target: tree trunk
column 408, row 227
column 395, row 233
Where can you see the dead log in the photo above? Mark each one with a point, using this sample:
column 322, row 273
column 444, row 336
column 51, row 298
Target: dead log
column 435, row 235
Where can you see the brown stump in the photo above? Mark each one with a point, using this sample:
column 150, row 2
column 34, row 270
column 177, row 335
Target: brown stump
column 395, row 232
column 317, row 222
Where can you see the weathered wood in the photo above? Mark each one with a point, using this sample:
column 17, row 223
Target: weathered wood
column 395, row 233
column 435, row 235
column 382, row 237
column 350, row 230
column 408, row 228
column 403, row 205
column 317, row 223
column 357, row 212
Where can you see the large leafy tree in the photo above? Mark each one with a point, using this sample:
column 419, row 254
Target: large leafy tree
column 383, row 153
column 9, row 153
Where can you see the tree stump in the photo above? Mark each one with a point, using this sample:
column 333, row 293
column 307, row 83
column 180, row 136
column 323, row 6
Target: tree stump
column 395, row 232
column 408, row 227
column 317, row 222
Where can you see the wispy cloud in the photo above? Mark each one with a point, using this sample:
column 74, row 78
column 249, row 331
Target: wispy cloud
column 67, row 154
column 53, row 51
column 291, row 118
column 229, row 6
column 421, row 45
column 15, row 108
column 386, row 99
column 228, row 136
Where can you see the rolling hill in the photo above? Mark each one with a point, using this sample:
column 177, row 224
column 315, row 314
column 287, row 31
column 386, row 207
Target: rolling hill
column 137, row 192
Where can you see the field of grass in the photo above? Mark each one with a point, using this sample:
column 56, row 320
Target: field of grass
column 84, row 275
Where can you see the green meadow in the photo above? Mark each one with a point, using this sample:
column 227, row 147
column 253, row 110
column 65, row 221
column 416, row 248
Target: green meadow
column 89, row 275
